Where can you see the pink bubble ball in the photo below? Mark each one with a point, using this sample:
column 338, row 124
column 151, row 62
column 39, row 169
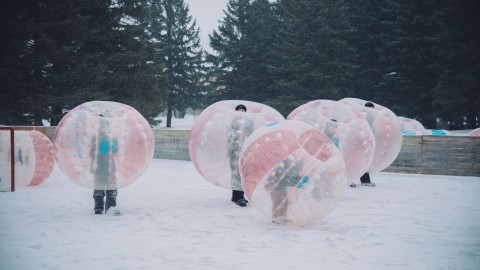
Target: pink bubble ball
column 103, row 145
column 292, row 173
column 475, row 132
column 386, row 129
column 411, row 126
column 5, row 160
column 34, row 158
column 350, row 132
column 217, row 137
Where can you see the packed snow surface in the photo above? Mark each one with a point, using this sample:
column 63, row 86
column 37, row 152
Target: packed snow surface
column 173, row 219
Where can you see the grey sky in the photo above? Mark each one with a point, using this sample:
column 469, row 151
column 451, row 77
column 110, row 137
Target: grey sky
column 207, row 13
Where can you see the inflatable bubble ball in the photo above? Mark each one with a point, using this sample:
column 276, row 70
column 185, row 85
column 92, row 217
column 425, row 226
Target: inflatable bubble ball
column 103, row 145
column 218, row 135
column 386, row 129
column 346, row 127
column 292, row 173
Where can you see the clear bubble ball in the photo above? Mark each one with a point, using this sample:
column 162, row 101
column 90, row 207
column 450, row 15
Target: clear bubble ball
column 217, row 137
column 103, row 145
column 386, row 129
column 346, row 127
column 34, row 158
column 292, row 173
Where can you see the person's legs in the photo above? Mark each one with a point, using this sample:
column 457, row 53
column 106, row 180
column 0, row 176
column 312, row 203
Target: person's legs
column 111, row 200
column 98, row 199
column 279, row 203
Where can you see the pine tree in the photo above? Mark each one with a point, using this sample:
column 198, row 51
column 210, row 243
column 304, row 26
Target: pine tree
column 364, row 37
column 290, row 40
column 457, row 91
column 406, row 57
column 133, row 78
column 255, row 74
column 176, row 40
column 76, row 51
column 318, row 60
column 228, row 45
column 14, row 71
column 74, row 47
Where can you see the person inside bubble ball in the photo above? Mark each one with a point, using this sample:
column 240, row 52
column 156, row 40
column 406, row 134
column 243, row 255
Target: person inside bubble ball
column 285, row 175
column 102, row 152
column 365, row 178
column 331, row 131
column 239, row 130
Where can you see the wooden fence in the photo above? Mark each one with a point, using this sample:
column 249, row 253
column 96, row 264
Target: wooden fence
column 445, row 155
column 442, row 155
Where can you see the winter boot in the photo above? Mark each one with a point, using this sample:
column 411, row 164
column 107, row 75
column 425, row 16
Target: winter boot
column 98, row 199
column 237, row 198
column 241, row 202
column 111, row 200
column 369, row 184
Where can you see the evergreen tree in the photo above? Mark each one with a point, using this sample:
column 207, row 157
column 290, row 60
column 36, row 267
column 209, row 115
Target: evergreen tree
column 255, row 75
column 134, row 78
column 406, row 72
column 76, row 51
column 75, row 43
column 457, row 90
column 14, row 29
column 29, row 67
column 318, row 60
column 289, row 45
column 228, row 45
column 364, row 15
column 177, row 48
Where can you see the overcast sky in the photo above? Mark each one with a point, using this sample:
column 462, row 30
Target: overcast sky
column 207, row 13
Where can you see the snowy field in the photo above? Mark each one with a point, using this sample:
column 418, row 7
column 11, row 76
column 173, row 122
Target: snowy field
column 173, row 219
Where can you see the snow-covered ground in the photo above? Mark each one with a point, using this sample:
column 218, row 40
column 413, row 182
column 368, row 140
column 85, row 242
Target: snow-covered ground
column 173, row 219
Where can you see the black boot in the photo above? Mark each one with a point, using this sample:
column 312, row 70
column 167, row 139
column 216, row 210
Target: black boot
column 111, row 200
column 237, row 197
column 365, row 180
column 98, row 199
column 241, row 202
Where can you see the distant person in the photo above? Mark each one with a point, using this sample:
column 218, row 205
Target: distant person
column 365, row 178
column 240, row 129
column 103, row 167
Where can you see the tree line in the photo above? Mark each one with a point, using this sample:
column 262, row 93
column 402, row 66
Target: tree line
column 59, row 54
column 420, row 59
